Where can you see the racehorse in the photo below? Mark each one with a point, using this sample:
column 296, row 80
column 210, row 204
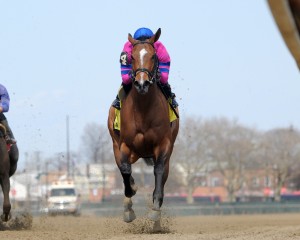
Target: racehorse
column 146, row 131
column 9, row 155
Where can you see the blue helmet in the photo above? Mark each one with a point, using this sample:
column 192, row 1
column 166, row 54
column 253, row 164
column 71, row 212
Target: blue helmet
column 143, row 33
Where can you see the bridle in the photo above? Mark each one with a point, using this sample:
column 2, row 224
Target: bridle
column 154, row 74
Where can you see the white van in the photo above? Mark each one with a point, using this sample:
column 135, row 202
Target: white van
column 63, row 198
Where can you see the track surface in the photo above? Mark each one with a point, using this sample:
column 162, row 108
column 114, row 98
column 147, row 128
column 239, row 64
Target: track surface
column 283, row 226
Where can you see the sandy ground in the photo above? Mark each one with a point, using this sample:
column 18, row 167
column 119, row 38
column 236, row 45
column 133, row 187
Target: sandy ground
column 262, row 227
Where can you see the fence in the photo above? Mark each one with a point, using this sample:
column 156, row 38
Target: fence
column 115, row 208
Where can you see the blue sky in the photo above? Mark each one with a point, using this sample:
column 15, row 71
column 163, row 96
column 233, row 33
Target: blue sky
column 61, row 58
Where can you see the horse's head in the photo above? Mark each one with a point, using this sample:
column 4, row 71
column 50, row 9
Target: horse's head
column 144, row 62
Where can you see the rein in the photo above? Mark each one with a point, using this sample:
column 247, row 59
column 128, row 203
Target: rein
column 153, row 75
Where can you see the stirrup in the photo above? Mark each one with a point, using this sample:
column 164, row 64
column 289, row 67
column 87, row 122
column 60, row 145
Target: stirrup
column 116, row 104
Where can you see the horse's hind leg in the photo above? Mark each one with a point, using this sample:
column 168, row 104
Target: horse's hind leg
column 5, row 184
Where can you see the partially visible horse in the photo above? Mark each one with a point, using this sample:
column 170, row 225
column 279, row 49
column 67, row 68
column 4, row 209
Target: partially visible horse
column 9, row 155
column 146, row 131
column 286, row 14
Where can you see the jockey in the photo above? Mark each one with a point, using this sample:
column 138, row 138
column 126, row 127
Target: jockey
column 4, row 107
column 164, row 66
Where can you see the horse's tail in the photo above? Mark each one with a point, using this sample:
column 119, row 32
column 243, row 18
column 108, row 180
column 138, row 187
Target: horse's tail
column 2, row 130
column 149, row 161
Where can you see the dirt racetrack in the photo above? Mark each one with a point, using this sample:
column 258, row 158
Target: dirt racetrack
column 262, row 227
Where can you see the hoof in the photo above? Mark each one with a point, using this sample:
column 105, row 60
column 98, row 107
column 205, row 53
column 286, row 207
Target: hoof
column 129, row 216
column 5, row 217
column 154, row 215
column 157, row 226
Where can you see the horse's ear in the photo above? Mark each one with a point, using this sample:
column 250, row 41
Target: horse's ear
column 131, row 39
column 156, row 36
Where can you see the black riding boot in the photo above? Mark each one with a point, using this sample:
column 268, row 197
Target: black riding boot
column 125, row 88
column 166, row 88
column 116, row 103
column 9, row 135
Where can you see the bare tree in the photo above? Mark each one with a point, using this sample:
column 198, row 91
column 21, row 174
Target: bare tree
column 96, row 144
column 191, row 154
column 282, row 153
column 295, row 178
column 232, row 145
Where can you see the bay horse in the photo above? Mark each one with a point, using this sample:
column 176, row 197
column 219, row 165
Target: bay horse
column 9, row 155
column 146, row 131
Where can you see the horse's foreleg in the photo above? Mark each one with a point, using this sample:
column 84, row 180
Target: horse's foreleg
column 130, row 189
column 161, row 172
column 129, row 214
column 158, row 193
column 5, row 184
column 125, row 169
column 13, row 156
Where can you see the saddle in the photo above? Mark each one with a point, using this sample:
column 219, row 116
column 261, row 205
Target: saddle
column 117, row 122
